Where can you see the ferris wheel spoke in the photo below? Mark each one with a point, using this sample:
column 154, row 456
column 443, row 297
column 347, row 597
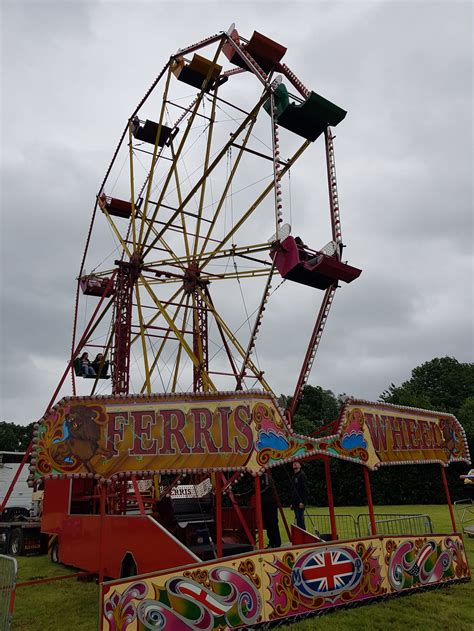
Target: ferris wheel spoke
column 191, row 119
column 154, row 158
column 179, row 351
column 167, row 334
column 204, row 179
column 227, row 186
column 258, row 374
column 175, row 259
column 182, row 215
column 210, row 169
column 224, row 340
column 255, row 204
column 142, row 338
column 132, row 187
column 256, row 326
column 243, row 251
column 177, row 333
column 153, row 319
column 115, row 230
column 150, row 220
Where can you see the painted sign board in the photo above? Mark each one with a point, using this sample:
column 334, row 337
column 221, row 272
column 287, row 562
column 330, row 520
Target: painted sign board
column 109, row 437
column 269, row 586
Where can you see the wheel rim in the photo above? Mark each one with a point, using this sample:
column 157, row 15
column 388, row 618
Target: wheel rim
column 170, row 326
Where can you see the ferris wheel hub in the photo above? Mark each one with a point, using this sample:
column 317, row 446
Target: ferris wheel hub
column 192, row 279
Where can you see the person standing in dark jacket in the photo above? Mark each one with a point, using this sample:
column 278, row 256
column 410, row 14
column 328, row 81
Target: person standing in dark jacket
column 269, row 500
column 299, row 496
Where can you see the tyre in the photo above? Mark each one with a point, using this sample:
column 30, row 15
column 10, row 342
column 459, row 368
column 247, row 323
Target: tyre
column 55, row 552
column 17, row 542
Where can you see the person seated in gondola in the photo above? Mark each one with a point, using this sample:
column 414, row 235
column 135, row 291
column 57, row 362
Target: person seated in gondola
column 305, row 256
column 100, row 365
column 86, row 366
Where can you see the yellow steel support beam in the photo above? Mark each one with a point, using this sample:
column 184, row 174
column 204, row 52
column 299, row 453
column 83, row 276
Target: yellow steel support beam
column 257, row 373
column 228, row 185
column 154, row 158
column 204, row 180
column 132, row 186
column 166, row 336
column 256, row 203
column 212, row 166
column 178, row 153
column 114, row 228
column 177, row 332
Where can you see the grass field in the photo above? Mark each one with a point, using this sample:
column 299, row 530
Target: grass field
column 73, row 604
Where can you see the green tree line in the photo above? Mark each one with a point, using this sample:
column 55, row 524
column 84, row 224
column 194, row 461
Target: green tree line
column 442, row 384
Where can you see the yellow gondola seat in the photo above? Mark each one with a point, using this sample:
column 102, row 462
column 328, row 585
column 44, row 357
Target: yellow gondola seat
column 148, row 130
column 266, row 52
column 307, row 118
column 115, row 207
column 195, row 72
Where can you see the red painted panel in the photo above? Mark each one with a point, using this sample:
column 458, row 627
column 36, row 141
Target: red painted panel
column 55, row 505
column 151, row 547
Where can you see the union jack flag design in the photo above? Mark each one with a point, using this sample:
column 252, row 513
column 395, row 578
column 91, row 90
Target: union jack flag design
column 204, row 597
column 327, row 571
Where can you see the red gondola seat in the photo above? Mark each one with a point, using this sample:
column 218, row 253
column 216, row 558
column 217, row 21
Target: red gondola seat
column 266, row 52
column 148, row 130
column 93, row 285
column 309, row 267
column 307, row 118
column 195, row 72
column 115, row 207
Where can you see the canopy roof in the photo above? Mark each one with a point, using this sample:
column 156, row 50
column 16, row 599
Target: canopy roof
column 111, row 437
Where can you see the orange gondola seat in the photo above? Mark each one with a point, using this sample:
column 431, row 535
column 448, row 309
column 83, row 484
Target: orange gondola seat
column 115, row 207
column 300, row 264
column 307, row 118
column 195, row 72
column 266, row 52
column 93, row 285
column 148, row 130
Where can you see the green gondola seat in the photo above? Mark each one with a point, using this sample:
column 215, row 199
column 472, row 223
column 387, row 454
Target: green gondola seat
column 102, row 373
column 309, row 118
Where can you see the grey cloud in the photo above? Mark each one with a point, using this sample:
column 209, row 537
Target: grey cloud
column 72, row 73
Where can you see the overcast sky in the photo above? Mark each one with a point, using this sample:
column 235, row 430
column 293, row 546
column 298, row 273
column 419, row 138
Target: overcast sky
column 73, row 71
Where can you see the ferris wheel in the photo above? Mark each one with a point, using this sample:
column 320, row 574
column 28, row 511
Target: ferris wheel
column 190, row 235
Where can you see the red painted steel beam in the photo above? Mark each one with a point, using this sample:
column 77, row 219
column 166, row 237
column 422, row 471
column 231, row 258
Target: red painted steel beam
column 50, row 579
column 241, row 518
column 369, row 500
column 448, row 498
column 102, row 493
column 16, row 476
column 332, row 515
column 312, row 347
column 138, row 496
